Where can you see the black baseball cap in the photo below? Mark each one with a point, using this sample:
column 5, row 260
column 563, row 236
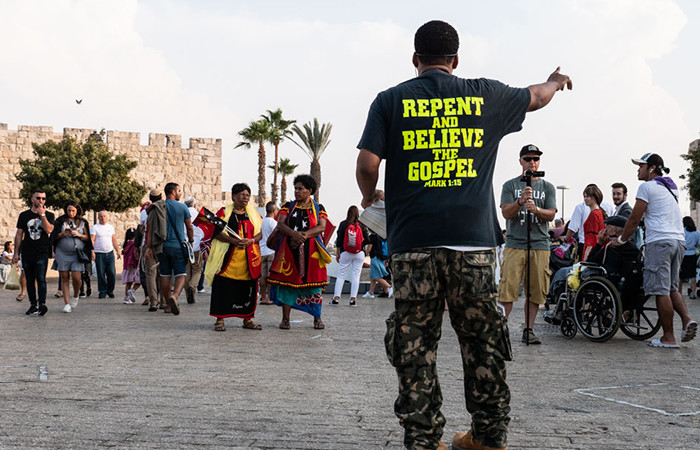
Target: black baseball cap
column 530, row 148
column 616, row 221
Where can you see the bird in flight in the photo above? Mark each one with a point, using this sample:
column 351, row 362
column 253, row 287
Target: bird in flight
column 79, row 101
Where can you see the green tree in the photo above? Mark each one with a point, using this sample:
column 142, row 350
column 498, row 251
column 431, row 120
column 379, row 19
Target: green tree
column 693, row 172
column 286, row 168
column 315, row 139
column 279, row 130
column 87, row 172
column 258, row 132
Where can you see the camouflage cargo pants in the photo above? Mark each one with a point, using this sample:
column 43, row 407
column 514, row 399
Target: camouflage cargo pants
column 423, row 280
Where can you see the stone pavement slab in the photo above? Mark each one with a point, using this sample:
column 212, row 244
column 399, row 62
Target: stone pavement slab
column 117, row 376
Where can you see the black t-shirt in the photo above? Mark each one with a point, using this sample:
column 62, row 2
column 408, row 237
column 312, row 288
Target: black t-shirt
column 36, row 242
column 439, row 135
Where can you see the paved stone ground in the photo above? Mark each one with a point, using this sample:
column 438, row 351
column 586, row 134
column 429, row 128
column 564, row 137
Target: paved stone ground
column 114, row 375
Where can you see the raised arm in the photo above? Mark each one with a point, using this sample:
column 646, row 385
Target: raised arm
column 541, row 94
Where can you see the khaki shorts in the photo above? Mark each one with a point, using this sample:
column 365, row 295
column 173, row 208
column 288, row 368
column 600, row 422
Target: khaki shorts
column 662, row 265
column 513, row 273
column 266, row 263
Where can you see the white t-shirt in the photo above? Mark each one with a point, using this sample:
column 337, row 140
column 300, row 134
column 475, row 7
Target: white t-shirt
column 268, row 225
column 662, row 217
column 198, row 233
column 103, row 237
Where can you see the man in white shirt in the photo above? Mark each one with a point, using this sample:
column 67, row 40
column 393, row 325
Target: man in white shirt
column 194, row 269
column 104, row 241
column 657, row 202
column 268, row 255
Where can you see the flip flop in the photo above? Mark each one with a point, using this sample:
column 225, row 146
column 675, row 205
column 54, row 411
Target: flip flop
column 20, row 297
column 267, row 303
column 657, row 343
column 219, row 326
column 690, row 330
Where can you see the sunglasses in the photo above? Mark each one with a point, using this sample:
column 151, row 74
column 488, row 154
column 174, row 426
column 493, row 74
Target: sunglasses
column 41, row 198
column 531, row 158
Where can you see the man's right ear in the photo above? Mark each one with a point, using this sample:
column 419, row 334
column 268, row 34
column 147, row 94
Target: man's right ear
column 415, row 60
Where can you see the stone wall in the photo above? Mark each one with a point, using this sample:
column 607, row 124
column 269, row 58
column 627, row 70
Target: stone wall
column 196, row 168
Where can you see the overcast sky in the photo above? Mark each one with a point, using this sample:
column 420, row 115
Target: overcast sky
column 207, row 68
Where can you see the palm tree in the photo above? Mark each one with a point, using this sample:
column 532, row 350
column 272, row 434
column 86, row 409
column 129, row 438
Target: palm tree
column 315, row 140
column 279, row 129
column 285, row 168
column 257, row 132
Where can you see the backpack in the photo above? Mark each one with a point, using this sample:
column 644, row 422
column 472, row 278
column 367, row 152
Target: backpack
column 353, row 238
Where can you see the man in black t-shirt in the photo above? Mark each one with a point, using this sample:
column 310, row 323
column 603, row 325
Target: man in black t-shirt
column 439, row 135
column 32, row 241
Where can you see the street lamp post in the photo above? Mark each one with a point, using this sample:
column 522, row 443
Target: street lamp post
column 563, row 188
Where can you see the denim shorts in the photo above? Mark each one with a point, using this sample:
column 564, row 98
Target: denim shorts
column 172, row 262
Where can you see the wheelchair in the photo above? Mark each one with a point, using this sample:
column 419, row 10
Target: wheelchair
column 597, row 305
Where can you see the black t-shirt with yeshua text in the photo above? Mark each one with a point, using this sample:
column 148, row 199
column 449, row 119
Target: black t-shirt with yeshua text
column 35, row 243
column 439, row 135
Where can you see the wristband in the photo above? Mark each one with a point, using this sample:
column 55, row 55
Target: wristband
column 43, row 215
column 620, row 241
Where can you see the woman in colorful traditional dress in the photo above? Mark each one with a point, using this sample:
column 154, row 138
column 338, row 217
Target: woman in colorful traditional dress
column 233, row 267
column 298, row 273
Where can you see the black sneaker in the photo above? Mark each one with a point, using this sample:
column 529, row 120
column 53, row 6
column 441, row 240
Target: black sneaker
column 102, row 296
column 88, row 292
column 189, row 292
column 110, row 295
column 42, row 310
column 82, row 295
column 32, row 310
column 153, row 308
column 353, row 303
column 334, row 302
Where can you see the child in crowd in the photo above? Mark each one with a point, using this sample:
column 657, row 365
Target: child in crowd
column 6, row 261
column 130, row 271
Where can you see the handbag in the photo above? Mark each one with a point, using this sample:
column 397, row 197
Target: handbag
column 12, row 281
column 186, row 247
column 83, row 255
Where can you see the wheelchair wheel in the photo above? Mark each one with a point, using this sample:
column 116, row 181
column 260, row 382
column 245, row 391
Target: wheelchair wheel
column 597, row 309
column 644, row 321
column 568, row 327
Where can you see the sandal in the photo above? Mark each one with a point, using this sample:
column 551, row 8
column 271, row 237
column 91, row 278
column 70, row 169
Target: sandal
column 284, row 325
column 266, row 302
column 219, row 326
column 250, row 325
column 20, row 297
column 318, row 325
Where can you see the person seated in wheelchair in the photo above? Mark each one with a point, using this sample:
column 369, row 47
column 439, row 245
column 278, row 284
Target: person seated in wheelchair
column 619, row 264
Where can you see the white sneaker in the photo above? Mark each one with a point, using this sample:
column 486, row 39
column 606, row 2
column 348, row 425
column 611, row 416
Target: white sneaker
column 130, row 294
column 390, row 292
column 73, row 302
column 128, row 301
column 367, row 295
column 67, row 309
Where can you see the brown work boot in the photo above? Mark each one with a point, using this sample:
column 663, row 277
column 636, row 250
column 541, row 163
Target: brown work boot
column 465, row 441
column 530, row 338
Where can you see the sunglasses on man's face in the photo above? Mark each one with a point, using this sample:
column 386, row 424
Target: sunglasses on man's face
column 41, row 198
column 531, row 158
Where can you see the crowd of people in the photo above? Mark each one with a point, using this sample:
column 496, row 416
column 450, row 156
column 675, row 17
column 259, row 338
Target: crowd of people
column 243, row 258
